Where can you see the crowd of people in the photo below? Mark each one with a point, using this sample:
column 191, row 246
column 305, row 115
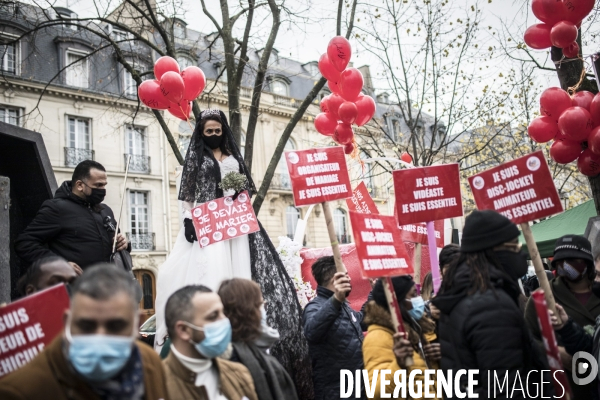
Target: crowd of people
column 229, row 324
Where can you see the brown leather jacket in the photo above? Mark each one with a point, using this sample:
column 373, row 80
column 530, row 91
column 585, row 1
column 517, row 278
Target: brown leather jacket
column 235, row 381
column 48, row 376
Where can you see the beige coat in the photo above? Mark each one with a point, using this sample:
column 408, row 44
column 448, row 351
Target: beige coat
column 235, row 381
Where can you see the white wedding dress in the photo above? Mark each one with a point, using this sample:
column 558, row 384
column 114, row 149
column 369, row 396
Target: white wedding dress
column 189, row 264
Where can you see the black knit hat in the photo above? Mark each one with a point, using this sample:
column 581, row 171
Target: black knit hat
column 486, row 229
column 573, row 246
column 402, row 285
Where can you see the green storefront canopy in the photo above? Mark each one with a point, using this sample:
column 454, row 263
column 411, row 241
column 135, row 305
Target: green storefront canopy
column 573, row 221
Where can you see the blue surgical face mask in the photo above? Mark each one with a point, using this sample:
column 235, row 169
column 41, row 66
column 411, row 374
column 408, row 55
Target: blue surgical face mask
column 98, row 357
column 217, row 336
column 418, row 308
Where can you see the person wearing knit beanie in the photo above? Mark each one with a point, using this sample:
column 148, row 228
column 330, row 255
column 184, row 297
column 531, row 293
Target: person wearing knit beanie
column 485, row 230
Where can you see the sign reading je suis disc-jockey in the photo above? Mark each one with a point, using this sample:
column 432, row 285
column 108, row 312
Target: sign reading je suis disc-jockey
column 522, row 190
column 427, row 193
column 318, row 175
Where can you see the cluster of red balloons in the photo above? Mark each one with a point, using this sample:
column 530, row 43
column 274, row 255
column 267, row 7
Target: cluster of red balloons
column 561, row 20
column 573, row 122
column 172, row 90
column 346, row 105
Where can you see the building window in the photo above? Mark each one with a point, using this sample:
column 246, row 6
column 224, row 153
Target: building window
column 129, row 84
column 312, row 68
column 140, row 236
column 120, row 36
column 11, row 115
column 179, row 30
column 77, row 70
column 185, row 135
column 340, row 224
column 184, row 62
column 243, row 144
column 10, row 58
column 279, row 87
column 394, row 127
column 79, row 146
column 292, row 215
column 367, row 172
column 281, row 179
column 137, row 147
column 147, row 282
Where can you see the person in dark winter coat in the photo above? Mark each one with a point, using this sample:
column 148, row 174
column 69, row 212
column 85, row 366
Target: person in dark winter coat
column 333, row 330
column 574, row 293
column 481, row 326
column 74, row 225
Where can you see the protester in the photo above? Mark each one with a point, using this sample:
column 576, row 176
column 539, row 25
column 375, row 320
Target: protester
column 97, row 356
column 44, row 273
column 332, row 329
column 572, row 289
column 74, row 225
column 212, row 154
column 481, row 326
column 448, row 255
column 427, row 288
column 244, row 306
column 200, row 333
column 381, row 344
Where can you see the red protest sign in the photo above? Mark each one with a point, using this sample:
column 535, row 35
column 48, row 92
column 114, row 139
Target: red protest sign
column 361, row 201
column 417, row 233
column 377, row 245
column 318, row 175
column 522, row 190
column 550, row 344
column 29, row 324
column 427, row 193
column 224, row 219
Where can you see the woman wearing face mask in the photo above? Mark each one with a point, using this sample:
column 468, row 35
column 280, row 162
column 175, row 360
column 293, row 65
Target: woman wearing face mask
column 573, row 290
column 251, row 338
column 481, row 326
column 379, row 344
column 211, row 155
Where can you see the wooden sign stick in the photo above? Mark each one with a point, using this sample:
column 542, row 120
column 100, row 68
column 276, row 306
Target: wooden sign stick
column 395, row 312
column 335, row 246
column 417, row 266
column 539, row 267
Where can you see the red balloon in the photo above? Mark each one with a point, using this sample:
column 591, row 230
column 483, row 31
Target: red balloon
column 334, row 103
column 348, row 112
column 366, row 109
column 150, row 94
column 339, row 52
column 333, row 86
column 577, row 10
column 548, row 11
column 543, row 129
column 554, row 101
column 538, row 36
column 350, row 84
column 194, row 82
column 349, row 148
column 407, row 158
column 324, row 105
column 575, row 123
column 172, row 86
column 582, row 99
column 594, row 140
column 343, row 133
column 588, row 163
column 181, row 111
column 325, row 124
column 565, row 151
column 165, row 64
column 563, row 33
column 327, row 69
column 571, row 51
column 594, row 109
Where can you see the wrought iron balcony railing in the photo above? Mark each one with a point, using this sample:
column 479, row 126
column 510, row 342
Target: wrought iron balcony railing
column 285, row 101
column 281, row 181
column 74, row 156
column 138, row 163
column 141, row 241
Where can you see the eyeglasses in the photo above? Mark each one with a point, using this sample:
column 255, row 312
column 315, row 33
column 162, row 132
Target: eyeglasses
column 212, row 131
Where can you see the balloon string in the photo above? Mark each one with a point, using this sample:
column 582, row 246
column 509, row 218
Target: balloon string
column 573, row 89
column 187, row 117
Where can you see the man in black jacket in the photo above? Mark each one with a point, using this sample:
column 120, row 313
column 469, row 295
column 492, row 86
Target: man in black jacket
column 74, row 225
column 332, row 329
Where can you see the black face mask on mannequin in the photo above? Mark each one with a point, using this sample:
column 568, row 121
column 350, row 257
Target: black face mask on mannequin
column 514, row 264
column 213, row 141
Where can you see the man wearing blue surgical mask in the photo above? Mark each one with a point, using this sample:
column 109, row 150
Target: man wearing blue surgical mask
column 200, row 332
column 97, row 357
